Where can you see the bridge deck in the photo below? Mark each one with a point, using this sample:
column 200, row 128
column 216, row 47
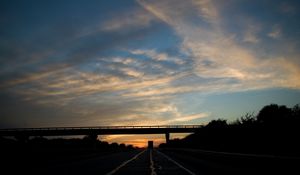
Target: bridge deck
column 100, row 130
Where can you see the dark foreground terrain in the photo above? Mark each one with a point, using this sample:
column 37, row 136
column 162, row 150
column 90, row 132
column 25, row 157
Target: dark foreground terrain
column 149, row 161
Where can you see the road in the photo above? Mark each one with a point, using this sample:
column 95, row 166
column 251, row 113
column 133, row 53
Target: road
column 145, row 161
column 167, row 162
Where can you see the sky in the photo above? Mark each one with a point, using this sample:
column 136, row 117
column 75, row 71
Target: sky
column 145, row 62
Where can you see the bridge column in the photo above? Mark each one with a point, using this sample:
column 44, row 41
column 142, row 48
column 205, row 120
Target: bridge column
column 167, row 137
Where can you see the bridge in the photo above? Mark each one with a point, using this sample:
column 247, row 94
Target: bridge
column 99, row 130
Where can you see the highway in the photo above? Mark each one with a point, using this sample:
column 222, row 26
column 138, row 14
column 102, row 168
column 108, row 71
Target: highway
column 145, row 161
column 166, row 161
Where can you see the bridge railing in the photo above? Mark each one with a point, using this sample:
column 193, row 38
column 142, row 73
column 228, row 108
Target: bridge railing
column 102, row 127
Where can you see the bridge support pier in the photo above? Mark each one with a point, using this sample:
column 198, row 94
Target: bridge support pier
column 167, row 137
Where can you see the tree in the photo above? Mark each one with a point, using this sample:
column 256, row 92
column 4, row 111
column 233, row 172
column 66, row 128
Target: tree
column 217, row 124
column 273, row 114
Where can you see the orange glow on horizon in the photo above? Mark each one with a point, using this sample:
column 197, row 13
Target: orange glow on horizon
column 143, row 143
column 140, row 140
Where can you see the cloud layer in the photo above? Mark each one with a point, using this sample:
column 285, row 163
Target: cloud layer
column 134, row 67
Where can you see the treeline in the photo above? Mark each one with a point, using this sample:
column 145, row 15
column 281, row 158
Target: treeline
column 87, row 144
column 38, row 155
column 274, row 130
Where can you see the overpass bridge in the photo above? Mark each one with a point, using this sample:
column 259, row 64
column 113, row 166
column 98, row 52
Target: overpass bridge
column 99, row 130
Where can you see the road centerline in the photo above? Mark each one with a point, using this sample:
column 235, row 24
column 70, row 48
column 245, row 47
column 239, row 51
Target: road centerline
column 125, row 163
column 176, row 163
column 152, row 163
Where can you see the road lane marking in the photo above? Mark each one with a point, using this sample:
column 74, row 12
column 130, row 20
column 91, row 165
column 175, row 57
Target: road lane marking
column 176, row 163
column 152, row 164
column 125, row 163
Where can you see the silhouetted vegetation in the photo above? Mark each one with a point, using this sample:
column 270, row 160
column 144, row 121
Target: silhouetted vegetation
column 36, row 154
column 59, row 149
column 89, row 143
column 274, row 130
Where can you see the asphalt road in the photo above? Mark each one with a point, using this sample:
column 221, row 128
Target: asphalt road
column 167, row 162
column 145, row 161
column 211, row 163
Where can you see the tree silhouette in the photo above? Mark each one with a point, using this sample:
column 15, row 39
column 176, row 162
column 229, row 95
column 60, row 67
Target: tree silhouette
column 274, row 115
column 217, row 124
column 274, row 130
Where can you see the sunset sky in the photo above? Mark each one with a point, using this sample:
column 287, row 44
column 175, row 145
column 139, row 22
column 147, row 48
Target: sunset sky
column 145, row 62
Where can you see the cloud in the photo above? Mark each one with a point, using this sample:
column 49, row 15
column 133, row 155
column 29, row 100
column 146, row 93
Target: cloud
column 163, row 116
column 132, row 72
column 77, row 52
column 72, row 84
column 207, row 10
column 106, row 73
column 123, row 60
column 130, row 19
column 154, row 55
column 251, row 38
column 33, row 77
column 251, row 34
column 275, row 33
column 218, row 55
column 188, row 118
